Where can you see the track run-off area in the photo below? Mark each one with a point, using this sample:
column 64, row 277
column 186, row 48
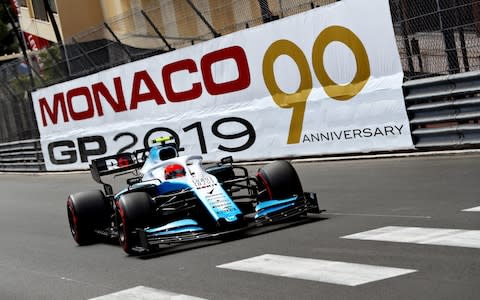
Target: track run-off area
column 395, row 228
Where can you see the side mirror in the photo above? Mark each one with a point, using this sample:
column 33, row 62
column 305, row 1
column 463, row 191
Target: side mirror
column 132, row 181
column 226, row 160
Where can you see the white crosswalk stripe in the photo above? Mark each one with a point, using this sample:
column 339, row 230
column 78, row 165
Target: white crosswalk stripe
column 419, row 235
column 335, row 272
column 145, row 293
column 472, row 209
column 327, row 271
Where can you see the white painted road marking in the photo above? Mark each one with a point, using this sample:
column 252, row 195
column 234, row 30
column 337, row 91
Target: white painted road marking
column 328, row 271
column 472, row 209
column 377, row 215
column 419, row 235
column 145, row 293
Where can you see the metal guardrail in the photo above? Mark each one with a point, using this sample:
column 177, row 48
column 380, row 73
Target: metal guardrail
column 444, row 111
column 21, row 156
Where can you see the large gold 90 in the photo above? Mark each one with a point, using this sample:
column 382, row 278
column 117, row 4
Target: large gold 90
column 298, row 100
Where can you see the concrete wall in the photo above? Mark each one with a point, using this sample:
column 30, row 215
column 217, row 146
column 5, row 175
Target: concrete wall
column 77, row 16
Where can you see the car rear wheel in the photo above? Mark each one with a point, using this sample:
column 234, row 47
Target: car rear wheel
column 134, row 212
column 86, row 212
column 278, row 180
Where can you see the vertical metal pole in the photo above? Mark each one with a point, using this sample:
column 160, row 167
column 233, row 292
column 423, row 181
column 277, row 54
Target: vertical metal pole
column 160, row 35
column 463, row 45
column 199, row 14
column 448, row 37
column 416, row 52
column 21, row 42
column 406, row 43
column 267, row 15
column 53, row 21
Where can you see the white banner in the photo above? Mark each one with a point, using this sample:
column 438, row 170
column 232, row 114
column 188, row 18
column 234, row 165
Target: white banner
column 327, row 81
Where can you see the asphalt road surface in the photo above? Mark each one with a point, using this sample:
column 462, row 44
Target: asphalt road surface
column 403, row 228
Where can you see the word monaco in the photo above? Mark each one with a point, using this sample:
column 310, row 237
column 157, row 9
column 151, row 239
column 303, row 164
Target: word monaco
column 350, row 134
column 63, row 103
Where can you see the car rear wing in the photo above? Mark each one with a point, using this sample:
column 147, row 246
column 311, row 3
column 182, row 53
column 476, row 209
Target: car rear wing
column 117, row 163
column 126, row 161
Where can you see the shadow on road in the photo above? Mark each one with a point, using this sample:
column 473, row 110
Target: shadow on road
column 172, row 249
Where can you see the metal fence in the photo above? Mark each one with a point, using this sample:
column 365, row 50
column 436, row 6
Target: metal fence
column 434, row 37
column 437, row 37
column 444, row 111
column 22, row 156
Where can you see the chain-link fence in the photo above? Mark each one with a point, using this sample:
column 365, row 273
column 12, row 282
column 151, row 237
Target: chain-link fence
column 437, row 37
column 17, row 120
column 434, row 37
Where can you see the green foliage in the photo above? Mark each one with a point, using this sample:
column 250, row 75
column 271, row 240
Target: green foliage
column 51, row 70
column 47, row 65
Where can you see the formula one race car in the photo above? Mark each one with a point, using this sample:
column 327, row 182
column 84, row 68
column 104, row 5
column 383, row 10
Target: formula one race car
column 172, row 199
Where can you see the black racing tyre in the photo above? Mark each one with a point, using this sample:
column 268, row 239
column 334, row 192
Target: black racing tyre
column 134, row 210
column 86, row 212
column 280, row 180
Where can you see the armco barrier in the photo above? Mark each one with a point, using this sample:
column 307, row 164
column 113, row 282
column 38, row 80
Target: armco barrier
column 21, row 156
column 444, row 111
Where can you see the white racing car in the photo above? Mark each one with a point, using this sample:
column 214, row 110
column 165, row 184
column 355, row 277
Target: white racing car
column 171, row 199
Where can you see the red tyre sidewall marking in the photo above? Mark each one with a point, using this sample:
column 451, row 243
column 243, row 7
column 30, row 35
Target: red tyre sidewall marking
column 265, row 184
column 71, row 208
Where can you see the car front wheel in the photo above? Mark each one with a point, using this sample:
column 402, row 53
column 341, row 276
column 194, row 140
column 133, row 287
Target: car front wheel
column 134, row 211
column 278, row 180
